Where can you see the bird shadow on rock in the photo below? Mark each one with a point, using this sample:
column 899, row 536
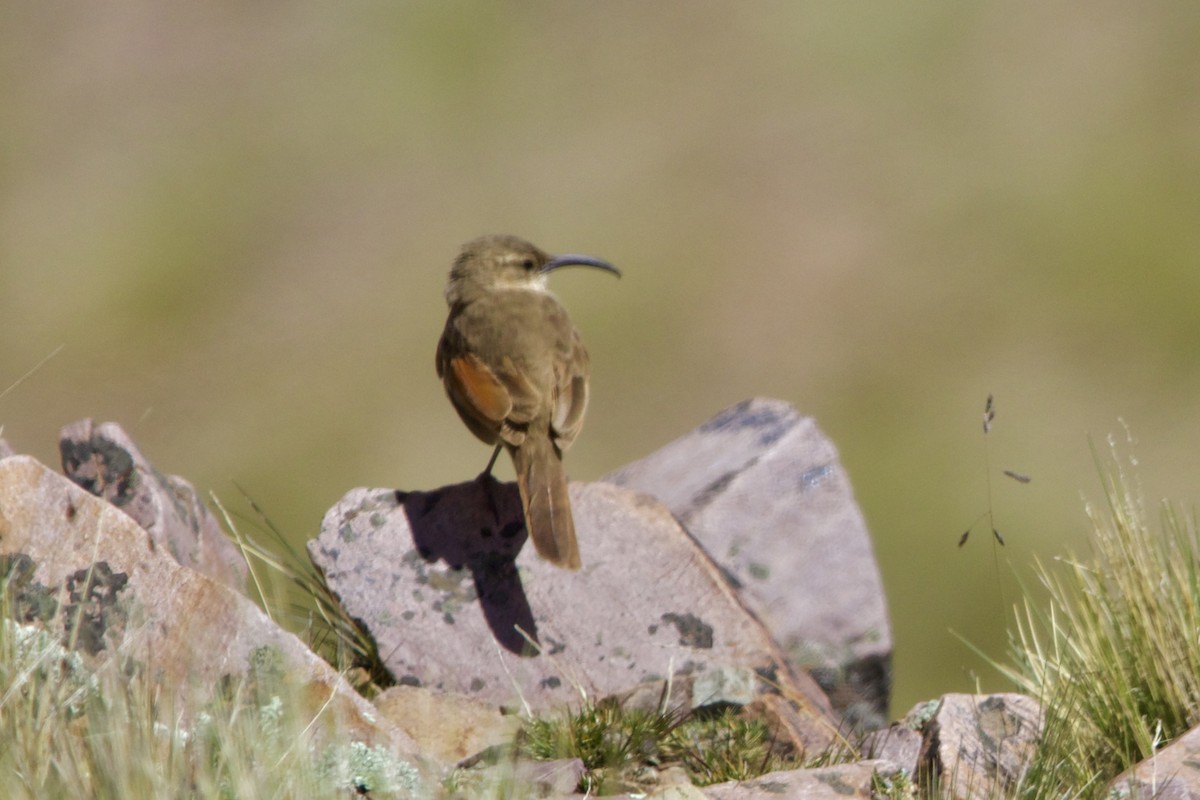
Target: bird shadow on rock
column 479, row 526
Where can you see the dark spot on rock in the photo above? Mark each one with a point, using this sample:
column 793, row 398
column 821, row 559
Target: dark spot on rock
column 771, row 421
column 410, row 680
column 556, row 646
column 26, row 599
column 728, row 418
column 774, row 787
column 693, row 632
column 652, row 629
column 828, row 678
column 550, row 683
column 769, row 675
column 477, row 684
column 408, row 615
column 714, row 488
column 836, row 782
column 448, row 618
column 347, row 533
column 100, row 466
column 93, row 609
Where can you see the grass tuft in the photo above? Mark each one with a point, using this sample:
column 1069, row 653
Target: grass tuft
column 1114, row 656
column 68, row 732
column 724, row 746
column 619, row 745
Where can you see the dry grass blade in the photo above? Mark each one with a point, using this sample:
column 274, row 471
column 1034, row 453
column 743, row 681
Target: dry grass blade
column 337, row 636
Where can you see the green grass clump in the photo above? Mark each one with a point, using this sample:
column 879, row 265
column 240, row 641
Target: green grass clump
column 724, row 746
column 1115, row 656
column 618, row 745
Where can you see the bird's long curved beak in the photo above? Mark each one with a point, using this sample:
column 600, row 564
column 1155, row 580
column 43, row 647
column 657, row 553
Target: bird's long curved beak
column 575, row 260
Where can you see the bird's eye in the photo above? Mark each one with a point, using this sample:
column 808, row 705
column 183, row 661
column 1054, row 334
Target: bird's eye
column 527, row 264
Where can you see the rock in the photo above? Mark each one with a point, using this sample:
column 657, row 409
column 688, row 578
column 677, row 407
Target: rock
column 519, row 777
column 842, row 781
column 455, row 601
column 762, row 490
column 980, row 745
column 674, row 791
column 557, row 778
column 447, row 727
column 1173, row 773
column 735, row 686
column 106, row 462
column 89, row 574
column 725, row 686
column 659, row 694
column 900, row 744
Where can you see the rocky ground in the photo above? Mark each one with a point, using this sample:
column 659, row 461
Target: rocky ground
column 731, row 569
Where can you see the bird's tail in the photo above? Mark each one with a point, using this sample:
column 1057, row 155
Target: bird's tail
column 543, row 484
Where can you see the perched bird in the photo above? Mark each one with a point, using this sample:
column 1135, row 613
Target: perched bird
column 516, row 371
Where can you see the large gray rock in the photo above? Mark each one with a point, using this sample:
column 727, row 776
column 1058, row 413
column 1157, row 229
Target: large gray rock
column 456, row 602
column 1172, row 773
column 106, row 462
column 762, row 490
column 87, row 573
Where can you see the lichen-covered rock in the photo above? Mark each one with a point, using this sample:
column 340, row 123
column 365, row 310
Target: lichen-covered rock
column 106, row 462
column 762, row 490
column 87, row 574
column 455, row 602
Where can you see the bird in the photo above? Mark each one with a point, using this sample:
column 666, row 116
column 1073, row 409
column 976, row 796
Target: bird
column 515, row 369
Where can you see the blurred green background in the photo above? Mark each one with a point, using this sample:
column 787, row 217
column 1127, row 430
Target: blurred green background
column 238, row 218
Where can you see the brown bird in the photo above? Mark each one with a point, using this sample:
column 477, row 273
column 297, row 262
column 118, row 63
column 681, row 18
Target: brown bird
column 516, row 371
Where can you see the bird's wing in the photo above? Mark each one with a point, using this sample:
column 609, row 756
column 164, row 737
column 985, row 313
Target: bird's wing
column 570, row 396
column 480, row 397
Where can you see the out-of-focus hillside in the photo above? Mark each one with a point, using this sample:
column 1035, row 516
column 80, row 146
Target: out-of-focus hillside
column 238, row 219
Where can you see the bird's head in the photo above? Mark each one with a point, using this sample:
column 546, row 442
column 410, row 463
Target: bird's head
column 498, row 262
